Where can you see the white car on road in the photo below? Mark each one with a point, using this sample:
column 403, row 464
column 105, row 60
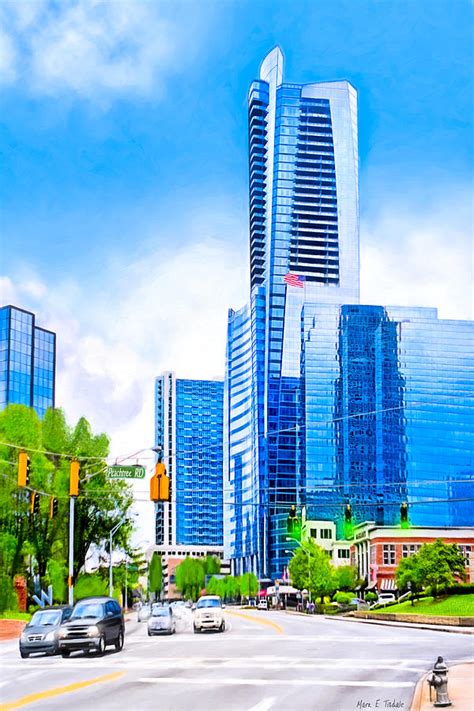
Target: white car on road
column 209, row 614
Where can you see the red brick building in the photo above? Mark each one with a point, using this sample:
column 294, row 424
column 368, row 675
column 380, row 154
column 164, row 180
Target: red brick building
column 377, row 550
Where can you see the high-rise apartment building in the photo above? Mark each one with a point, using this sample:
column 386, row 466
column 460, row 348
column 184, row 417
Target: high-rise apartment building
column 327, row 402
column 27, row 361
column 188, row 435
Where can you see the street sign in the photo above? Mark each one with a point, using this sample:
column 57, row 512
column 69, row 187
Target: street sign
column 125, row 472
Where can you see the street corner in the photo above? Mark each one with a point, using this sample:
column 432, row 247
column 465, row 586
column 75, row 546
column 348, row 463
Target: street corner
column 460, row 689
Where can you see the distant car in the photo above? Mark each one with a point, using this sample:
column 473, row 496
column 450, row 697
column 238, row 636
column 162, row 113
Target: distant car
column 161, row 621
column 262, row 605
column 41, row 632
column 209, row 614
column 143, row 613
column 95, row 623
column 386, row 597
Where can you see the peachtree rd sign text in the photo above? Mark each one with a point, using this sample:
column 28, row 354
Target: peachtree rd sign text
column 132, row 472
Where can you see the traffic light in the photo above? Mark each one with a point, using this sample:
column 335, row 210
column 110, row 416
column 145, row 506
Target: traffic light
column 404, row 515
column 348, row 514
column 53, row 507
column 293, row 525
column 23, row 469
column 160, row 484
column 74, row 478
column 34, row 503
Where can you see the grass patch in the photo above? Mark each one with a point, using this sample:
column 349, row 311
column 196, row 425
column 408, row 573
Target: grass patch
column 12, row 615
column 455, row 605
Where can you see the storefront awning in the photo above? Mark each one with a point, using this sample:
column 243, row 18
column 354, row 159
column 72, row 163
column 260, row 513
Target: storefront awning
column 388, row 584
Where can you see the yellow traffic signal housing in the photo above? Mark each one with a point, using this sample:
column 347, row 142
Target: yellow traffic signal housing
column 53, row 507
column 23, row 469
column 74, row 478
column 34, row 503
column 160, row 484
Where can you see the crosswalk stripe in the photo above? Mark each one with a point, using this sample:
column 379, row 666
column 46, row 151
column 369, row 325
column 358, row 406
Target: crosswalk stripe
column 213, row 682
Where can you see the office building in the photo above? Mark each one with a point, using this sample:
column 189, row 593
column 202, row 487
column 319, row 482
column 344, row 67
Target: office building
column 188, row 435
column 326, row 401
column 27, row 361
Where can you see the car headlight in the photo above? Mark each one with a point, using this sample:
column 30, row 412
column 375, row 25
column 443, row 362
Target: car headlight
column 50, row 637
column 62, row 632
column 93, row 631
column 24, row 636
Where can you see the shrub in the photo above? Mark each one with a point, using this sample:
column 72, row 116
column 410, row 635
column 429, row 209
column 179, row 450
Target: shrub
column 344, row 598
column 330, row 609
column 459, row 589
column 371, row 597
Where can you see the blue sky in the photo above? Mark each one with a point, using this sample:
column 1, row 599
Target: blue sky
column 124, row 186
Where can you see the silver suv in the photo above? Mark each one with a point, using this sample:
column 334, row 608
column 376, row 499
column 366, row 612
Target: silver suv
column 209, row 614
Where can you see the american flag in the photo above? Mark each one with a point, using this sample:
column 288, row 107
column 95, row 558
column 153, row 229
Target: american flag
column 294, row 280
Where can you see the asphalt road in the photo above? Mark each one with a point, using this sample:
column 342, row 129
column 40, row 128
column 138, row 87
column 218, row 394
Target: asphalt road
column 263, row 661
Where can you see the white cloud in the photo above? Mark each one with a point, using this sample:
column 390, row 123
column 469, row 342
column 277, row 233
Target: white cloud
column 413, row 259
column 92, row 48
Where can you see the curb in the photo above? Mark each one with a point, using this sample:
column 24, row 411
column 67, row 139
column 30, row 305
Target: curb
column 420, row 700
column 409, row 625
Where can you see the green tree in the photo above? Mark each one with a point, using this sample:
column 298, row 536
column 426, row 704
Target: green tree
column 155, row 575
column 347, row 577
column 248, row 584
column 102, row 503
column 212, row 565
column 436, row 566
column 311, row 569
column 190, row 577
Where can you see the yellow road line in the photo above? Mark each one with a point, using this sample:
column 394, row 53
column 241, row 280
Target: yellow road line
column 269, row 623
column 58, row 691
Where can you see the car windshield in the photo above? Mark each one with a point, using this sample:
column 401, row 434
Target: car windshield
column 209, row 602
column 161, row 612
column 87, row 609
column 46, row 617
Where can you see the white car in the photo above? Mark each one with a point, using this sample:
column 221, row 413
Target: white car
column 262, row 605
column 209, row 614
column 386, row 597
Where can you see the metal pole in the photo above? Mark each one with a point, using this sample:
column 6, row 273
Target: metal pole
column 71, row 551
column 126, row 595
column 111, row 581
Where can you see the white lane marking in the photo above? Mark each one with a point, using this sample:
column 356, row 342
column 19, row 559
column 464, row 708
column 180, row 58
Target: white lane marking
column 212, row 681
column 264, row 705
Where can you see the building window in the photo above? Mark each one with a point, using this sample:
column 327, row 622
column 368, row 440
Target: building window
column 313, row 532
column 326, row 533
column 408, row 550
column 343, row 553
column 466, row 551
column 389, row 554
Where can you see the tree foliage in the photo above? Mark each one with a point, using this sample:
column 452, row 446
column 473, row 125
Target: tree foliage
column 347, row 577
column 436, row 566
column 248, row 583
column 311, row 569
column 155, row 575
column 190, row 577
column 39, row 544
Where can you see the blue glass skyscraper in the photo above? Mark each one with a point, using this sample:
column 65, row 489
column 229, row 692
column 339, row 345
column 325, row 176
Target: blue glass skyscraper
column 188, row 434
column 27, row 361
column 327, row 402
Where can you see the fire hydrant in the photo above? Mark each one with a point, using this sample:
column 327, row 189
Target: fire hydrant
column 439, row 680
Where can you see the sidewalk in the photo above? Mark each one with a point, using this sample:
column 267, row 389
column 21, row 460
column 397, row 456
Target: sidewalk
column 460, row 689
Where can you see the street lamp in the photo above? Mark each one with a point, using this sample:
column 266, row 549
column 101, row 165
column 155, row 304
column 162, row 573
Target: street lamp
column 111, row 535
column 309, row 561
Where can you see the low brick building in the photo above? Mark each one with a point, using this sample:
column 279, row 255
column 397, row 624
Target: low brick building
column 377, row 550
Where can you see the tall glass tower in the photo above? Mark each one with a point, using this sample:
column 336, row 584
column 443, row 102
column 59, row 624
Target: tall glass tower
column 188, row 433
column 27, row 361
column 327, row 402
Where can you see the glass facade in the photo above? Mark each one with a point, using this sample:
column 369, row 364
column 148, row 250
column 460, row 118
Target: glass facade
column 188, row 430
column 27, row 361
column 328, row 402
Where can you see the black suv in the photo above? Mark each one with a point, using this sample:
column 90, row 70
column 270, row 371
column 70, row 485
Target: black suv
column 95, row 622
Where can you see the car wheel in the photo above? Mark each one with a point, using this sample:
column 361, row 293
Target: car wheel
column 24, row 655
column 196, row 629
column 222, row 627
column 119, row 642
column 101, row 647
column 149, row 633
column 65, row 653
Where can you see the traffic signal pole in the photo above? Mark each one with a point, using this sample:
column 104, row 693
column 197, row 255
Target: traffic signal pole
column 70, row 585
